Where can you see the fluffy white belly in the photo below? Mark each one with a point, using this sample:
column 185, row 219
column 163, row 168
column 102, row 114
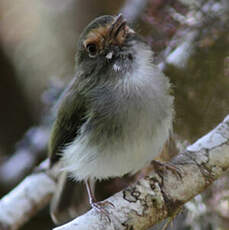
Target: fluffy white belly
column 144, row 117
column 131, row 154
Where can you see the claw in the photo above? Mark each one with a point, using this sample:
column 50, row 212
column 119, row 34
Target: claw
column 100, row 207
column 158, row 165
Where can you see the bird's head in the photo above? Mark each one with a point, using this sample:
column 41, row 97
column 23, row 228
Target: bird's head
column 107, row 44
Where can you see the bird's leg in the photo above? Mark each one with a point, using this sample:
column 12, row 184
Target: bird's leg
column 90, row 193
column 162, row 165
column 99, row 206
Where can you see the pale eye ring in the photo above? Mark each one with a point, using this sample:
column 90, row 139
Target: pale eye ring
column 92, row 49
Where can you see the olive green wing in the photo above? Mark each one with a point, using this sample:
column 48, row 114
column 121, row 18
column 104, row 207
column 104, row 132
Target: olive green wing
column 70, row 117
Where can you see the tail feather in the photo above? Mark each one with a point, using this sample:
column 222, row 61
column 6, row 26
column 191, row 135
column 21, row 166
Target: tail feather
column 69, row 201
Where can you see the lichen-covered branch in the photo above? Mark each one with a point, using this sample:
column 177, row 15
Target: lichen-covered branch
column 161, row 194
column 25, row 200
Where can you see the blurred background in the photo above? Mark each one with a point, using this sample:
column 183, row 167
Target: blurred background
column 37, row 47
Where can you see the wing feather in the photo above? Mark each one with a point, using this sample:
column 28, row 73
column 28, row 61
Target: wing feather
column 70, row 116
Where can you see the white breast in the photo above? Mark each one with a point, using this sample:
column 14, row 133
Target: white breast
column 146, row 129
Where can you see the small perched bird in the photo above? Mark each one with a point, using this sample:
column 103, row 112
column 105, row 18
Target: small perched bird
column 117, row 113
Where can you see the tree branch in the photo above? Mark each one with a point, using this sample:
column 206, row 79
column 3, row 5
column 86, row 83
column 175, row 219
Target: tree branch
column 27, row 154
column 161, row 194
column 25, row 200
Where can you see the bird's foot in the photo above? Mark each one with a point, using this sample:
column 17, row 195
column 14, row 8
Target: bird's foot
column 158, row 166
column 100, row 206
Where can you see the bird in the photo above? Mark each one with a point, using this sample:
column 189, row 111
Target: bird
column 117, row 113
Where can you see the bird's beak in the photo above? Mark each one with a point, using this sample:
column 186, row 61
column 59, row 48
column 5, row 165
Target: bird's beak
column 117, row 26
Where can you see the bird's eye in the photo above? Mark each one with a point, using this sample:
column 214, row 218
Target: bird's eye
column 92, row 49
